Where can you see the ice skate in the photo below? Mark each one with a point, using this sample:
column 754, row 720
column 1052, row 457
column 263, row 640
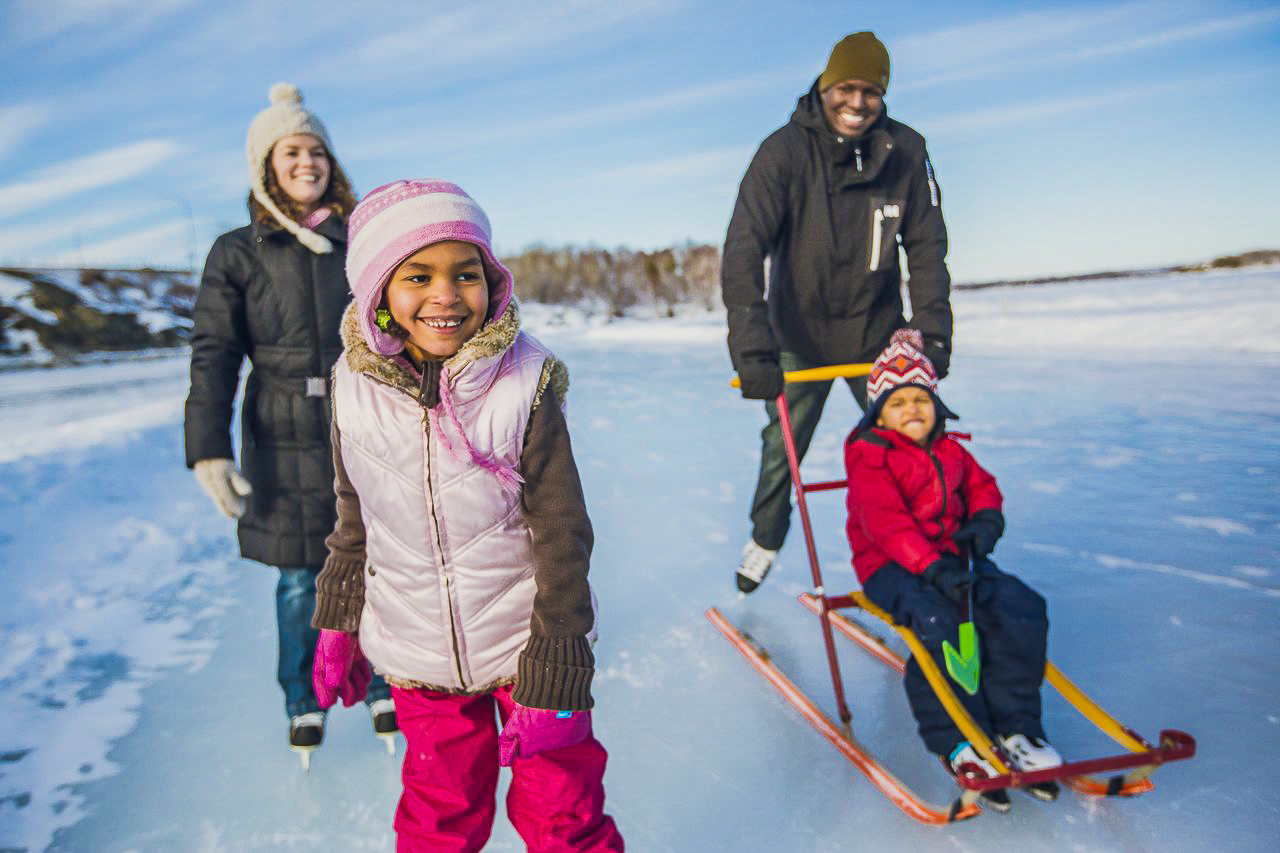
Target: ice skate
column 306, row 732
column 383, row 713
column 964, row 753
column 755, row 565
column 1033, row 753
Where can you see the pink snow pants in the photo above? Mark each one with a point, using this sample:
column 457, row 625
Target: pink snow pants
column 450, row 778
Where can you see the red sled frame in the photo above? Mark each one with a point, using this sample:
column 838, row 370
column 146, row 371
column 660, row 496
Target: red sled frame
column 1138, row 763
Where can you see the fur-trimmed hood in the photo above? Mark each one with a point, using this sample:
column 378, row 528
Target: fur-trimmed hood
column 494, row 338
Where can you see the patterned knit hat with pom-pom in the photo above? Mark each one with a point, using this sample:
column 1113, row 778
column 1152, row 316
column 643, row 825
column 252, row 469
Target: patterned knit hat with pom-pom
column 903, row 363
column 285, row 117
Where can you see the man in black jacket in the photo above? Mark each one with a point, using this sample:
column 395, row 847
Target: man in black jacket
column 827, row 200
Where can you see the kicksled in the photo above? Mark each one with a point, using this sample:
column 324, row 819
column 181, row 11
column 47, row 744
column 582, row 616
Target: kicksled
column 1125, row 774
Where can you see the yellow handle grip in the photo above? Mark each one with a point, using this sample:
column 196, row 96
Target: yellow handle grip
column 818, row 374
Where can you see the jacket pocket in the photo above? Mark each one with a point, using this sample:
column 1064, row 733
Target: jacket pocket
column 886, row 221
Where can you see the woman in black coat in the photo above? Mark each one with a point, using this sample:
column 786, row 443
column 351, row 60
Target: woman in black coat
column 274, row 291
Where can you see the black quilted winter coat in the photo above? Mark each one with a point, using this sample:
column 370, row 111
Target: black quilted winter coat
column 829, row 214
column 267, row 297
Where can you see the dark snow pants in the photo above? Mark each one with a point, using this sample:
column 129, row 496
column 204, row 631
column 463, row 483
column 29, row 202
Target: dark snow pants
column 1013, row 628
column 771, row 506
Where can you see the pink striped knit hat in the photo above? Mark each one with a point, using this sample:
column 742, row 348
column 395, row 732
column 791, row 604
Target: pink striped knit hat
column 396, row 220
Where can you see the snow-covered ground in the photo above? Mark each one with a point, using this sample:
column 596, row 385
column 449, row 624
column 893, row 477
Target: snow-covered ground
column 1133, row 426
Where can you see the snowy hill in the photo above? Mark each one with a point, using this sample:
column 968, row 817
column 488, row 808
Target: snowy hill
column 1133, row 426
column 64, row 315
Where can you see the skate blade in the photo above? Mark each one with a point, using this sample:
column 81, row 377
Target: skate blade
column 390, row 741
column 1044, row 796
column 304, row 755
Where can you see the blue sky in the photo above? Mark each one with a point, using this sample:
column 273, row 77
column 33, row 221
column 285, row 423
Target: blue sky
column 1067, row 137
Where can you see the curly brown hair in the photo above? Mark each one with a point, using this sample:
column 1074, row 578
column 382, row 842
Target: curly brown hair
column 338, row 195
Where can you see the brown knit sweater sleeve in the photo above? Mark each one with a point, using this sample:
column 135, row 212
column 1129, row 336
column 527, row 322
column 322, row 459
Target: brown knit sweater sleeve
column 556, row 666
column 340, row 584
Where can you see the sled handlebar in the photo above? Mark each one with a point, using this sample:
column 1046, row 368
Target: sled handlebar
column 818, row 374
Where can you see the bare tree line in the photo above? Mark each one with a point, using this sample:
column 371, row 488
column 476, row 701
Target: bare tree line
column 613, row 280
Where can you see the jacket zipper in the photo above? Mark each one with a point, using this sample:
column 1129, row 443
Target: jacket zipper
column 877, row 221
column 857, row 154
column 942, row 482
column 448, row 587
column 317, row 361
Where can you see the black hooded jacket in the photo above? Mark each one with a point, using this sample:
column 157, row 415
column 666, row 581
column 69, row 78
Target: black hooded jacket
column 267, row 297
column 828, row 213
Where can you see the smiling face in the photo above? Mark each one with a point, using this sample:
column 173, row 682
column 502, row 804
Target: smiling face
column 300, row 164
column 909, row 411
column 440, row 296
column 852, row 106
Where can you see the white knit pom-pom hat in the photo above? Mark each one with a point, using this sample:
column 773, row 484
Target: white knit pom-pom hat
column 285, row 117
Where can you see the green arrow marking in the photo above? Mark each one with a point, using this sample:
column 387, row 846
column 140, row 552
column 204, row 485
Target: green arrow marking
column 964, row 665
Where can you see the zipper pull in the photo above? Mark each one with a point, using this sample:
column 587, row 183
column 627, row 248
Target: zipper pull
column 857, row 152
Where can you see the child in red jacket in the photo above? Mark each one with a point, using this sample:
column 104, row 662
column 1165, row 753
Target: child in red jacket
column 917, row 502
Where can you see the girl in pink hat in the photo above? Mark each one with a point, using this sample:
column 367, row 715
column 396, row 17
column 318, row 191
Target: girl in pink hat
column 458, row 564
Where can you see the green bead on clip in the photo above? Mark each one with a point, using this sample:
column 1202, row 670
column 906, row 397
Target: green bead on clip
column 382, row 317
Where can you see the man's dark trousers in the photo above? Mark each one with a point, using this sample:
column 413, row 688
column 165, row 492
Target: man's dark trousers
column 771, row 506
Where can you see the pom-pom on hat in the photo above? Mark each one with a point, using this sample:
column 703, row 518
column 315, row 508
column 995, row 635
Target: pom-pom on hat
column 902, row 363
column 396, row 220
column 285, row 117
column 858, row 56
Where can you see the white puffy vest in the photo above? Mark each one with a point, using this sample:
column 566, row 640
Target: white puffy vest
column 449, row 580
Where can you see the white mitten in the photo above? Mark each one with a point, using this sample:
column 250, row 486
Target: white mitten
column 226, row 485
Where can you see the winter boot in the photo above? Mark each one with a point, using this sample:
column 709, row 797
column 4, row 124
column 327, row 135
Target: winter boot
column 383, row 712
column 964, row 753
column 755, row 565
column 1033, row 753
column 306, row 732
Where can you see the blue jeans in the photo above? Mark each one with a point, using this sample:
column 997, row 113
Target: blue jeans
column 295, row 602
column 771, row 506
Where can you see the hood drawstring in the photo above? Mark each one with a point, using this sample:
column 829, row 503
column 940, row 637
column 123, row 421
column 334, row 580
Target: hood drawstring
column 509, row 477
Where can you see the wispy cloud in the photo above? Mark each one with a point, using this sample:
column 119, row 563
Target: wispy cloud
column 1038, row 39
column 90, row 172
column 482, row 30
column 22, row 243
column 1015, row 114
column 110, row 21
column 711, row 163
column 611, row 114
column 157, row 244
column 17, row 123
column 992, row 43
column 1198, row 30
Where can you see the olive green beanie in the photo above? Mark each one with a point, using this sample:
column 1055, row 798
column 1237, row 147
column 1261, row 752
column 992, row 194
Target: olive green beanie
column 859, row 56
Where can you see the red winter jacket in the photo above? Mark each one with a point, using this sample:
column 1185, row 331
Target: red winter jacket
column 906, row 501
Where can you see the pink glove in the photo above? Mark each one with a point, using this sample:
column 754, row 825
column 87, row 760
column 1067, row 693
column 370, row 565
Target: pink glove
column 340, row 669
column 532, row 730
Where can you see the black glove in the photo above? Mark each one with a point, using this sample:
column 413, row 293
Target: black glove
column 949, row 575
column 940, row 355
column 982, row 532
column 760, row 374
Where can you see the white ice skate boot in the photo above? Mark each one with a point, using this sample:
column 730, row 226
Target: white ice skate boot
column 755, row 565
column 1033, row 753
column 383, row 712
column 964, row 753
column 306, row 732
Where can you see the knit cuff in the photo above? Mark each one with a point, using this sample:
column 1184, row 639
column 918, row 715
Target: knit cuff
column 339, row 595
column 555, row 673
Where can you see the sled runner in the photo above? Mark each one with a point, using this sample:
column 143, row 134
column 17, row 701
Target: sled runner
column 1128, row 773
